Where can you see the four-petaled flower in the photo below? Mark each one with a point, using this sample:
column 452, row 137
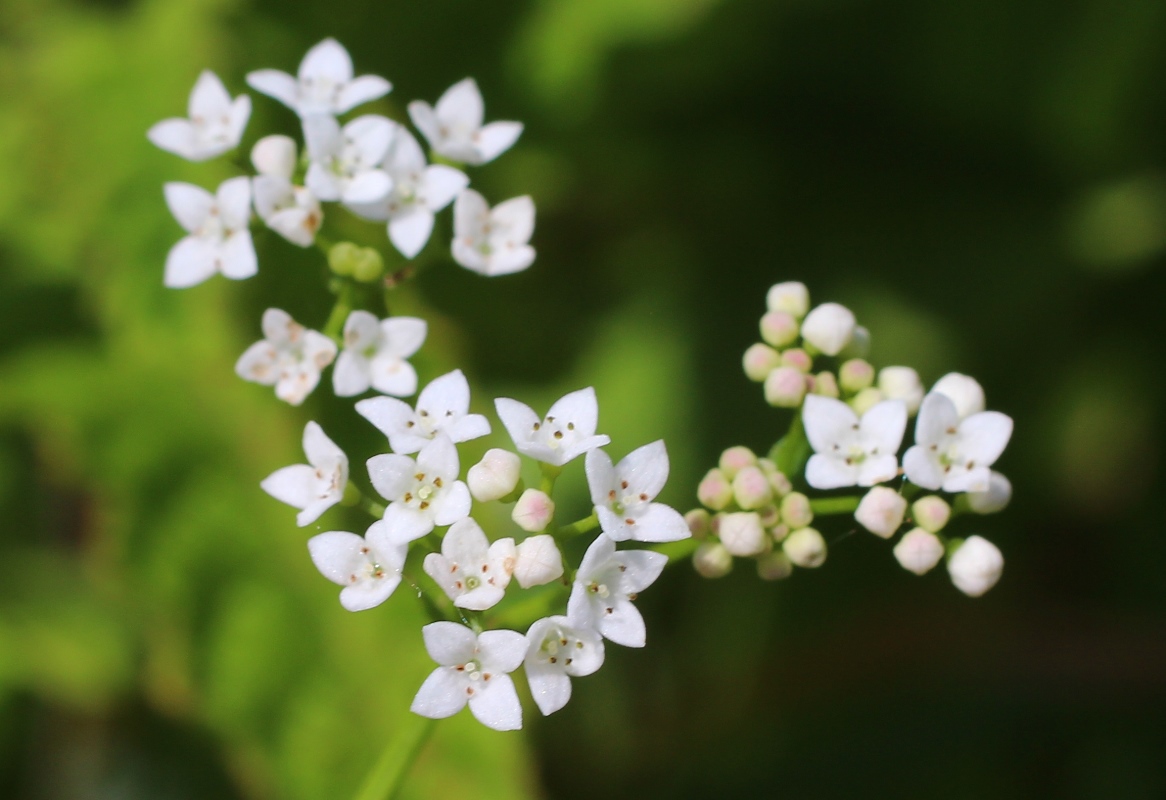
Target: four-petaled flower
column 849, row 451
column 291, row 211
column 315, row 488
column 424, row 493
column 492, row 242
column 605, row 586
column 474, row 669
column 290, row 357
column 346, row 161
column 374, row 355
column 368, row 568
column 215, row 125
column 219, row 239
column 324, row 84
column 557, row 651
column 954, row 454
column 623, row 495
column 454, row 127
column 442, row 407
column 473, row 572
column 567, row 431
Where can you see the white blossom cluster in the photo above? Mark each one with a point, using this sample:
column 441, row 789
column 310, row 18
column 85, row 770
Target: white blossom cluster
column 854, row 419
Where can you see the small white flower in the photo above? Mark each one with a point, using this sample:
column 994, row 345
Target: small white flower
column 369, row 569
column 219, row 238
column 374, row 355
column 557, row 651
column 963, row 390
column 314, row 488
column 442, row 407
column 424, row 493
column 471, row 571
column 346, row 162
column 605, row 587
column 473, row 669
column 901, row 383
column 829, row 327
column 918, row 551
column 419, row 191
column 291, row 211
column 533, row 511
column 495, row 476
column 537, row 561
column 951, row 453
column 849, row 451
column 492, row 242
column 324, row 84
column 881, row 511
column 623, row 495
column 567, row 431
column 995, row 498
column 215, row 125
column 290, row 357
column 976, row 566
column 454, row 127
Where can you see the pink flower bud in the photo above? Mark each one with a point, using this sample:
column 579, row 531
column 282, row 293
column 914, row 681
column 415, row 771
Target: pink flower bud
column 735, row 459
column 785, row 387
column 881, row 511
column 533, row 511
column 797, row 358
column 751, row 489
column 855, row 375
column 759, row 360
column 931, row 513
column 826, row 385
column 918, row 551
column 779, row 328
column 714, row 490
column 796, row 511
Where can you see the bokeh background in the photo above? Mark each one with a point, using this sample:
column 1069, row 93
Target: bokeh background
column 982, row 182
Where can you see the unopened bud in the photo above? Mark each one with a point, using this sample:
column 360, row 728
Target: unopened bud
column 779, row 328
column 699, row 523
column 533, row 511
column 751, row 489
column 797, row 358
column 829, row 328
column 805, row 547
column 796, row 511
column 865, row 400
column 881, row 511
column 369, row 265
column 855, row 375
column 780, row 483
column 774, row 566
column 342, row 257
column 275, row 155
column 791, row 296
column 779, row 532
column 735, row 459
column 770, row 516
column 785, row 387
column 537, row 561
column 759, row 360
column 964, row 391
column 994, row 498
column 975, row 566
column 495, row 476
column 918, row 551
column 901, row 383
column 931, row 513
column 712, row 560
column 714, row 491
column 741, row 533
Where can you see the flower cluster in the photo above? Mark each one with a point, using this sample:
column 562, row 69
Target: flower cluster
column 848, row 431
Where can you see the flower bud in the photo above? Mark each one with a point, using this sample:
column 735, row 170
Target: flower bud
column 712, row 560
column 855, row 375
column 759, row 360
column 779, row 328
column 537, row 561
column 964, row 391
column 741, row 533
column 805, row 547
column 792, row 297
column 770, row 516
column 735, row 459
column 797, row 358
column 881, row 511
column 699, row 523
column 785, row 387
column 918, row 551
column 342, row 257
column 994, row 498
column 495, row 476
column 901, row 383
column 369, row 265
column 533, row 511
column 714, row 490
column 829, row 328
column 274, row 155
column 751, row 489
column 859, row 344
column 865, row 400
column 795, row 510
column 826, row 385
column 774, row 566
column 931, row 513
column 975, row 566
column 779, row 532
column 780, row 483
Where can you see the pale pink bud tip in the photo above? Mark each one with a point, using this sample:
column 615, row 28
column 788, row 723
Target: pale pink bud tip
column 931, row 513
column 797, row 358
column 785, row 387
column 533, row 511
column 779, row 328
column 976, row 566
column 796, row 511
column 881, row 511
column 714, row 490
column 918, row 551
column 759, row 360
column 751, row 489
column 855, row 375
column 735, row 459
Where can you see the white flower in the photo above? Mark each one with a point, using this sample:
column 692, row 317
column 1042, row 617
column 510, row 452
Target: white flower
column 537, row 561
column 557, row 651
column 495, row 476
column 954, row 454
column 976, row 566
column 829, row 327
column 324, row 84
column 623, row 495
column 474, row 670
column 215, row 126
column 918, row 551
column 219, row 239
column 290, row 357
column 442, row 407
column 963, row 390
column 605, row 586
column 901, row 383
column 995, row 498
column 346, row 162
column 492, row 242
column 422, row 493
column 419, row 191
column 374, row 355
column 315, row 488
column 791, row 297
column 881, row 511
column 291, row 211
column 849, row 451
column 473, row 572
column 454, row 128
column 369, row 569
column 567, row 431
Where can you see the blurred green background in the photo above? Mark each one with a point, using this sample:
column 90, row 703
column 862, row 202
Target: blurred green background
column 982, row 182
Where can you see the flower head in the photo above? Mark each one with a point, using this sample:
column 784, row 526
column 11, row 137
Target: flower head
column 215, row 123
column 473, row 572
column 374, row 355
column 424, row 493
column 492, row 242
column 218, row 240
column 324, row 84
column 849, row 451
column 567, row 431
column 313, row 487
column 290, row 357
column 369, row 569
column 473, row 669
column 442, row 407
column 556, row 651
column 605, row 587
column 951, row 453
column 623, row 495
column 454, row 127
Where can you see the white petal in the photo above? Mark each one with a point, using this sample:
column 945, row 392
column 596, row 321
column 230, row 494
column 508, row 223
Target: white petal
column 494, row 139
column 452, row 504
column 550, row 688
column 613, row 525
column 964, row 391
column 643, row 567
column 442, row 695
column 257, row 364
column 234, row 201
column 600, row 476
column 442, row 185
column 825, row 472
column 272, row 192
column 598, row 554
column 509, row 261
column 967, row 480
column 471, row 426
column 176, row 136
column 297, row 225
column 937, row 416
column 294, row 485
column 426, row 121
column 237, row 256
column 277, row 84
column 312, row 511
column 877, row 469
column 501, row 651
column 827, row 422
column 921, row 468
column 191, row 261
column 361, row 331
column 480, row 599
column 387, row 414
column 984, row 436
column 209, row 98
column 371, row 134
column 367, row 187
column 645, row 469
column 323, row 183
column 579, row 407
column 279, row 328
column 319, row 350
column 328, row 60
column 295, row 384
column 275, row 156
column 369, row 593
column 439, row 457
column 239, row 115
column 516, row 215
column 337, row 554
column 391, row 375
column 622, row 624
column 470, row 214
column 449, row 643
column 461, row 104
column 362, row 90
column 406, row 524
column 883, row 426
column 496, row 704
column 391, row 474
column 190, row 204
column 320, row 450
column 448, row 392
column 322, row 137
column 404, row 335
column 410, row 230
column 660, row 523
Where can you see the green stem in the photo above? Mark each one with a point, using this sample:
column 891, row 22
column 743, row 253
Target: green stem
column 677, row 551
column 339, row 314
column 372, row 507
column 578, row 527
column 384, row 781
column 825, row 506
